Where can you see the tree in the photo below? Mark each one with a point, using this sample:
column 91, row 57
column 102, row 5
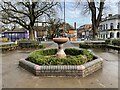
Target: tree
column 55, row 23
column 8, row 27
column 25, row 13
column 95, row 7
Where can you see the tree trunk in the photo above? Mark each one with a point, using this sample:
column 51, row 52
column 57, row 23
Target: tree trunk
column 94, row 30
column 31, row 31
column 94, row 22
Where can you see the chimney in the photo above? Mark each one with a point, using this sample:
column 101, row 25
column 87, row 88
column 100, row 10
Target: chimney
column 75, row 25
column 109, row 15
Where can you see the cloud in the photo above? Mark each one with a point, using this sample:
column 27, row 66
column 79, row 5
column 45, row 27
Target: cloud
column 73, row 14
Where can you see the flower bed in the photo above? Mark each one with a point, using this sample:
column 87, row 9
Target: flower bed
column 47, row 57
column 80, row 63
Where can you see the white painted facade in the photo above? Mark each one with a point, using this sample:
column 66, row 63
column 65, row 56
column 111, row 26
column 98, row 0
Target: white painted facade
column 109, row 28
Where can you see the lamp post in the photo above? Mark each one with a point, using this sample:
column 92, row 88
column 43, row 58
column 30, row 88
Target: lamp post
column 64, row 17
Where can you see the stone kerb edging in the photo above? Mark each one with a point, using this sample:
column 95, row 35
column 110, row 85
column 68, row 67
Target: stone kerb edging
column 62, row 70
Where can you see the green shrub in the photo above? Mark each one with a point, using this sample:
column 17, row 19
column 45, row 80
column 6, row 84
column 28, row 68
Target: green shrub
column 8, row 47
column 50, row 51
column 72, row 51
column 108, row 41
column 47, row 57
column 91, row 45
column 116, row 42
column 25, row 43
column 40, row 46
column 84, row 45
column 88, row 54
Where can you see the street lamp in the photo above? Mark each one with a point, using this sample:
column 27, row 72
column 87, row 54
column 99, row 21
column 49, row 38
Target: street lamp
column 64, row 17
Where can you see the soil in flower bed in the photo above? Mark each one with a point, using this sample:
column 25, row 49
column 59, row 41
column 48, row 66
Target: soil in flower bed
column 47, row 57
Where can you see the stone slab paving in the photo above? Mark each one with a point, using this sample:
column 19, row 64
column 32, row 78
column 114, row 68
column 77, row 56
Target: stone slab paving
column 14, row 76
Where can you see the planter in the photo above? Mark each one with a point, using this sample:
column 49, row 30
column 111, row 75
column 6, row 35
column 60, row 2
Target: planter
column 63, row 70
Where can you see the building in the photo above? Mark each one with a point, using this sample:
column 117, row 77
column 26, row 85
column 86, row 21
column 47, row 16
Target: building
column 109, row 27
column 85, row 31
column 15, row 35
column 72, row 33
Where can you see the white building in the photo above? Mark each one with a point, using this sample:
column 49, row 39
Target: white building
column 109, row 27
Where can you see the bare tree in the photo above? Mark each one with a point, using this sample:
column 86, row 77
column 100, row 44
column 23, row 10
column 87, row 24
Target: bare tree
column 25, row 13
column 9, row 27
column 95, row 8
column 55, row 23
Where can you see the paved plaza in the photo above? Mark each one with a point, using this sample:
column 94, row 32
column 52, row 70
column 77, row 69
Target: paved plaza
column 14, row 76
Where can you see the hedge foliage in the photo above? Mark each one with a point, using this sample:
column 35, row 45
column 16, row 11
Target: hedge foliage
column 86, row 46
column 25, row 43
column 8, row 47
column 116, row 42
column 47, row 57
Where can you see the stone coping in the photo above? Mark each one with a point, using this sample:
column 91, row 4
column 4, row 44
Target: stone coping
column 88, row 41
column 62, row 70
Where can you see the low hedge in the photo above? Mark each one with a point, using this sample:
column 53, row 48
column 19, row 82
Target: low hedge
column 116, row 42
column 86, row 46
column 47, row 57
column 25, row 43
column 83, row 45
column 108, row 41
column 8, row 47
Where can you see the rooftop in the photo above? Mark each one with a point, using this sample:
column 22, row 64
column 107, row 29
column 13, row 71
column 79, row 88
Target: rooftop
column 111, row 17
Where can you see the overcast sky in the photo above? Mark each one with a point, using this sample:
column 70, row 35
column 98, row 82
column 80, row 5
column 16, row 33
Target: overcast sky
column 74, row 14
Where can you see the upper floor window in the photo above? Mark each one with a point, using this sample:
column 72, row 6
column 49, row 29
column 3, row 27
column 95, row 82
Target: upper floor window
column 103, row 27
column 106, row 26
column 118, row 26
column 100, row 28
column 111, row 26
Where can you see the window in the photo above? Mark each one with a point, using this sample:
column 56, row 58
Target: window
column 111, row 26
column 106, row 36
column 118, row 26
column 103, row 36
column 101, row 27
column 118, row 34
column 111, row 35
column 106, row 26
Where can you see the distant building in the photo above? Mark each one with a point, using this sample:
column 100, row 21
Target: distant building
column 15, row 35
column 85, row 31
column 72, row 33
column 41, row 31
column 109, row 27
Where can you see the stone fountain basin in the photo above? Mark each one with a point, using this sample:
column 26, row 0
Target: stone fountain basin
column 60, row 40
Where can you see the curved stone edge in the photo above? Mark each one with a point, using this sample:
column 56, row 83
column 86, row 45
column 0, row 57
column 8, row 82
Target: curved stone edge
column 64, row 70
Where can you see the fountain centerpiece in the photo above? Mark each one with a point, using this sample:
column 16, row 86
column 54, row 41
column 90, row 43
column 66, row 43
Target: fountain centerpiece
column 60, row 41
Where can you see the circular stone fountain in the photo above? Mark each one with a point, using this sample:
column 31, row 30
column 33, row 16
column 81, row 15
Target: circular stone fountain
column 60, row 41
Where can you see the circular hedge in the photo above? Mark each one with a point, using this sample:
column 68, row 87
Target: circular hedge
column 47, row 57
